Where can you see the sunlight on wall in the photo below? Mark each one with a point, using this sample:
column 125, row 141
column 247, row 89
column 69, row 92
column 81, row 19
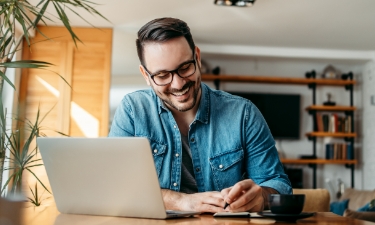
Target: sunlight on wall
column 49, row 87
column 86, row 122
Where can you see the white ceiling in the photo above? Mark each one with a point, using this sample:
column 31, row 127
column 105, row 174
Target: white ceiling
column 319, row 24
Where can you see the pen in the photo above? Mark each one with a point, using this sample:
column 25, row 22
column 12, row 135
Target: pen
column 226, row 205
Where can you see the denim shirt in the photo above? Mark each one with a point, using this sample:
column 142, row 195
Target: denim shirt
column 229, row 140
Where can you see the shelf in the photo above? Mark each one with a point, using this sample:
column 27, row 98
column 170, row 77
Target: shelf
column 330, row 108
column 276, row 80
column 317, row 161
column 328, row 134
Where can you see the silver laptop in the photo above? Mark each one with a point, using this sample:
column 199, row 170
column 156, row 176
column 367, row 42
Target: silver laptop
column 104, row 176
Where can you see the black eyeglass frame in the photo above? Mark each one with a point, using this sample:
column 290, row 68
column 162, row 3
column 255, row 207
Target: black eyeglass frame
column 175, row 71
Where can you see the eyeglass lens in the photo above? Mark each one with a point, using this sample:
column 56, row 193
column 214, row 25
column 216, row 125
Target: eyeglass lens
column 165, row 77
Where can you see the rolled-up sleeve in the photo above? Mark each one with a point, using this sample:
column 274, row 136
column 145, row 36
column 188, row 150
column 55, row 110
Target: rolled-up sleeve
column 263, row 163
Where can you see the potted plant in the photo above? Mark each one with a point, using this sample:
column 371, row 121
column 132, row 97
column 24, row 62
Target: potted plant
column 26, row 15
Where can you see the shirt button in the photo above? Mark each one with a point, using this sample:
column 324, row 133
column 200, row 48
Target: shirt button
column 177, row 155
column 175, row 184
column 194, row 122
column 221, row 166
column 155, row 151
column 175, row 126
column 197, row 169
column 192, row 140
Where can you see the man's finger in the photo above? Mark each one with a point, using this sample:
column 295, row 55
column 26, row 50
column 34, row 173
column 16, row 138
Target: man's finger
column 238, row 189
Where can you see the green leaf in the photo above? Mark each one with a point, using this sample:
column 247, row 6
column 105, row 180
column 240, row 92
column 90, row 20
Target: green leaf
column 26, row 64
column 39, row 181
column 5, row 41
column 20, row 19
column 41, row 12
column 65, row 20
column 7, row 182
column 7, row 80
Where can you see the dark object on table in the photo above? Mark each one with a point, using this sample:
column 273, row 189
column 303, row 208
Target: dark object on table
column 286, row 217
column 329, row 102
column 286, row 204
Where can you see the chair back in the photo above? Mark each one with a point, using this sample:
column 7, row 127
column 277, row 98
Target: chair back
column 316, row 200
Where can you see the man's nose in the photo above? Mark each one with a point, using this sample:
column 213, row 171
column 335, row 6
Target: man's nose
column 177, row 82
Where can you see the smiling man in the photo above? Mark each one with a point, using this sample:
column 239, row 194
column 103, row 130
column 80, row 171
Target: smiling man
column 209, row 147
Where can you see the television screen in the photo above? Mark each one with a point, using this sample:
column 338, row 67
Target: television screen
column 281, row 112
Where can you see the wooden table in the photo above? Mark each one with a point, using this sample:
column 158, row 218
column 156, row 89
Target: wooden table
column 50, row 216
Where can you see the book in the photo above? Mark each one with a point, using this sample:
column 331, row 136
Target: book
column 319, row 122
column 349, row 151
column 329, row 151
column 325, row 118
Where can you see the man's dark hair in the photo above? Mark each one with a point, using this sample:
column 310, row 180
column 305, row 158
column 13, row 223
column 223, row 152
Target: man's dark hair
column 161, row 30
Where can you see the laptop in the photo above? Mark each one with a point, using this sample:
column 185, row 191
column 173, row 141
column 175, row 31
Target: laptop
column 104, row 176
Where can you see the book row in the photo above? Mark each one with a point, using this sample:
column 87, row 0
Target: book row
column 333, row 122
column 343, row 151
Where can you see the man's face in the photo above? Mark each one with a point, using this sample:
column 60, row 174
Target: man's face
column 182, row 93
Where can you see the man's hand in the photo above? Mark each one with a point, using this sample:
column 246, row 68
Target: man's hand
column 246, row 196
column 201, row 202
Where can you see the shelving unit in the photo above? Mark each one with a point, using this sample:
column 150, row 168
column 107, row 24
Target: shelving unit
column 312, row 83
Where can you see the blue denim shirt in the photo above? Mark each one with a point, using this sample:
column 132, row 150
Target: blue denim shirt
column 229, row 140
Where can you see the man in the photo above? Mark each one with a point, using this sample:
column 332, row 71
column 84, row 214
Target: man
column 210, row 148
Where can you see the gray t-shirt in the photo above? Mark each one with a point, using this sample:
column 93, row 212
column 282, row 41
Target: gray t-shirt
column 188, row 183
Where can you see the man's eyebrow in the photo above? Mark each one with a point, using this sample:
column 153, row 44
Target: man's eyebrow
column 187, row 61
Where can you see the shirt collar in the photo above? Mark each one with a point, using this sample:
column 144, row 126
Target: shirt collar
column 204, row 105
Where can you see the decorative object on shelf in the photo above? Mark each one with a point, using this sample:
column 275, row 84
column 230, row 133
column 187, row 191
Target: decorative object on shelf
column 241, row 3
column 216, row 71
column 345, row 76
column 329, row 102
column 331, row 72
column 311, row 74
column 205, row 69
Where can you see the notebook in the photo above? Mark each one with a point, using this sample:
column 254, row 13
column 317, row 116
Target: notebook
column 104, row 176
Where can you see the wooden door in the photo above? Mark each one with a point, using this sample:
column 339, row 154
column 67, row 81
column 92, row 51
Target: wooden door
column 82, row 109
column 78, row 110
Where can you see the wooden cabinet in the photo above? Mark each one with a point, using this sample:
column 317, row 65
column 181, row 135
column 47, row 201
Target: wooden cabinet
column 81, row 109
column 78, row 109
column 313, row 135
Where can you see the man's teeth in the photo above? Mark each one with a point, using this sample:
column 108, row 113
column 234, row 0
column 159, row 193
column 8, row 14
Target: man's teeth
column 181, row 92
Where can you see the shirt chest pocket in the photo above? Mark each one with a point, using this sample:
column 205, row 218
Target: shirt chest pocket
column 158, row 152
column 227, row 168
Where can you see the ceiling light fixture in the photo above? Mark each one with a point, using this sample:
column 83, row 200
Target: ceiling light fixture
column 240, row 3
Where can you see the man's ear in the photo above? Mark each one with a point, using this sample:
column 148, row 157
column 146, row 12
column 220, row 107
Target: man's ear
column 144, row 74
column 198, row 56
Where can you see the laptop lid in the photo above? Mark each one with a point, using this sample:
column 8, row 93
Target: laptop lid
column 103, row 176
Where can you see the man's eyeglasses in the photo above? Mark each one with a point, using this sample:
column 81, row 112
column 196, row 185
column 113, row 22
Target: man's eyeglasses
column 163, row 78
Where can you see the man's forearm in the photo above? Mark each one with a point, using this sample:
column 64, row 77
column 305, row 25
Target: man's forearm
column 172, row 199
column 266, row 191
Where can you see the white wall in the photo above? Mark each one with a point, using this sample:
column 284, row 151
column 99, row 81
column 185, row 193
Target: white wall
column 368, row 129
column 10, row 101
